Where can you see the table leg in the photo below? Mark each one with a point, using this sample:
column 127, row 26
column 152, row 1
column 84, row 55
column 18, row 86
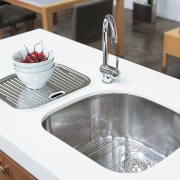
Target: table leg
column 1, row 33
column 164, row 62
column 120, row 27
column 47, row 19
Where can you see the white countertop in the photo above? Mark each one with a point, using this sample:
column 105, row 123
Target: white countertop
column 23, row 138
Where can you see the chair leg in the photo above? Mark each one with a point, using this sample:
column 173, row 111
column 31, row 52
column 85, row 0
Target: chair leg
column 55, row 18
column 35, row 23
column 32, row 24
column 1, row 33
column 26, row 26
column 13, row 29
column 29, row 25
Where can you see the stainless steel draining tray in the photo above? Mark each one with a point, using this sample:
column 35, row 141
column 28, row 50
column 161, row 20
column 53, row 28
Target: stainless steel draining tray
column 63, row 81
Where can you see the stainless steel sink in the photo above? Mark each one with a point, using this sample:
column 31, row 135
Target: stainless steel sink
column 121, row 132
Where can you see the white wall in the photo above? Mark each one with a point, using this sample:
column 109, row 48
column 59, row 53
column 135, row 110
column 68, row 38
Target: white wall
column 169, row 9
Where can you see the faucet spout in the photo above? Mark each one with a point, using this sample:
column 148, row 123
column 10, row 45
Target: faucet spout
column 112, row 27
column 109, row 27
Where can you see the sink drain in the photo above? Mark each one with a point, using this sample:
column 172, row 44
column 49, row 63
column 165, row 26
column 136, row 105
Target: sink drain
column 135, row 165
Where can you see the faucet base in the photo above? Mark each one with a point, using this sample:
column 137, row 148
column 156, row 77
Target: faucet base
column 107, row 79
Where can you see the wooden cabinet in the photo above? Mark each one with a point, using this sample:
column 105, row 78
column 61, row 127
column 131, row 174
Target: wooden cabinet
column 10, row 170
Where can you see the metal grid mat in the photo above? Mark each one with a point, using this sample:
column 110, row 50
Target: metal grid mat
column 120, row 154
column 63, row 81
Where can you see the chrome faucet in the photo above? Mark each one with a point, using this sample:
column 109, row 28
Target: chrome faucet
column 109, row 73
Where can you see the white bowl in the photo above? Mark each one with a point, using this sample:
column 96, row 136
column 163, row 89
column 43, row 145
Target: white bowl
column 22, row 54
column 36, row 69
column 35, row 80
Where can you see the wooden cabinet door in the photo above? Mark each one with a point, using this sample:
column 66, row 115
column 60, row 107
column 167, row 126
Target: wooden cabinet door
column 10, row 170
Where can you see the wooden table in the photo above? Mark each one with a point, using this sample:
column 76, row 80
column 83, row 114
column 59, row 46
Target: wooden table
column 171, row 45
column 47, row 10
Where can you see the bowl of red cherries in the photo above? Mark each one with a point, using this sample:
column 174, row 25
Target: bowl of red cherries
column 34, row 66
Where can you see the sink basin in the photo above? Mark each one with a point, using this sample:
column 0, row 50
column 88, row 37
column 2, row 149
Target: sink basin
column 121, row 132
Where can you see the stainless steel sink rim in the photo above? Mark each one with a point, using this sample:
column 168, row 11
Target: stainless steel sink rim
column 121, row 132
column 63, row 81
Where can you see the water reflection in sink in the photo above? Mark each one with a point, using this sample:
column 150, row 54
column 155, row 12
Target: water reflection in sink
column 121, row 132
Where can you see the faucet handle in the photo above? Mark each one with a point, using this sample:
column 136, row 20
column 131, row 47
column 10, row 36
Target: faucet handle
column 117, row 63
column 115, row 73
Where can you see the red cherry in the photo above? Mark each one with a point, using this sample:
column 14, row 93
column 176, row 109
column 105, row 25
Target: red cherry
column 42, row 56
column 35, row 56
column 24, row 61
column 30, row 59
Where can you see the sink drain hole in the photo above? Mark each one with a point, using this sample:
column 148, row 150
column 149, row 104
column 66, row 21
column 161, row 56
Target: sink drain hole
column 57, row 94
column 135, row 165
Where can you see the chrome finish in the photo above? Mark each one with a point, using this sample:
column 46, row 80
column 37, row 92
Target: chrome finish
column 63, row 81
column 121, row 132
column 109, row 72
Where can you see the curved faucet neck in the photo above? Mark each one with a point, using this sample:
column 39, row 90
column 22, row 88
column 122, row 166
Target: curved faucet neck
column 108, row 24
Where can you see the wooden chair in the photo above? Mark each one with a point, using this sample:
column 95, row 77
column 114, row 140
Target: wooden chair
column 10, row 15
column 2, row 3
column 87, row 20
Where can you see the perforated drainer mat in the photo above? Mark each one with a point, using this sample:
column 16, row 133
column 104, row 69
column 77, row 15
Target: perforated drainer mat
column 63, row 81
column 119, row 154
